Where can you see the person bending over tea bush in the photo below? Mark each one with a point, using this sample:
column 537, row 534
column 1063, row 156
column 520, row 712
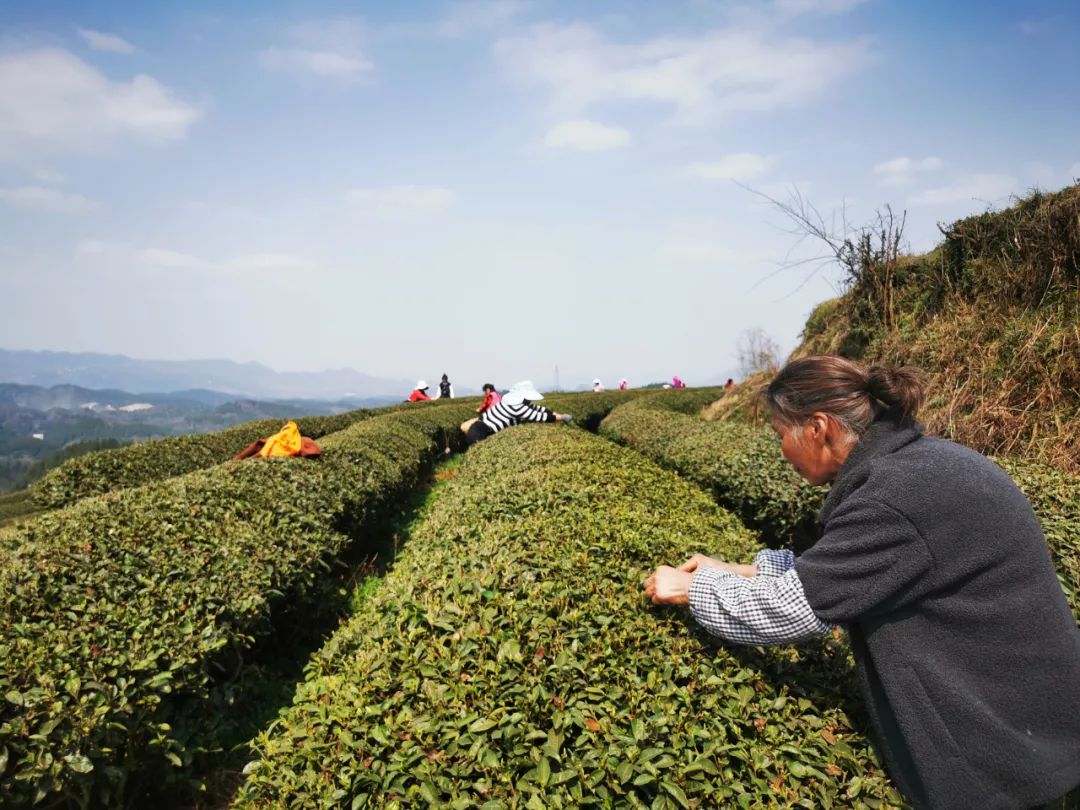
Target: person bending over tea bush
column 966, row 652
column 513, row 409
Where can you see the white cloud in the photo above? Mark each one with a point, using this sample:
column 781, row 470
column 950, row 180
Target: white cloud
column 108, row 43
column 712, row 74
column 49, row 177
column 798, row 7
column 323, row 48
column 586, row 136
column 47, row 200
column 155, row 258
column 50, row 100
column 318, row 63
column 401, row 200
column 738, row 166
column 987, row 188
column 901, row 171
column 479, row 15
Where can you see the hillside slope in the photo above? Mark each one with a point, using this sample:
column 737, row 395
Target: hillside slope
column 992, row 314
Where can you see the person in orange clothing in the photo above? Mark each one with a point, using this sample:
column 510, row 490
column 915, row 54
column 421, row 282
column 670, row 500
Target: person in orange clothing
column 419, row 393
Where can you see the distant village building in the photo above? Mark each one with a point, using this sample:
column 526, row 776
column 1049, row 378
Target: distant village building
column 39, row 436
column 135, row 406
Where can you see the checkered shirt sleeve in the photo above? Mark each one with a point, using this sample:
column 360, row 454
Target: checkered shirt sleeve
column 774, row 562
column 767, row 609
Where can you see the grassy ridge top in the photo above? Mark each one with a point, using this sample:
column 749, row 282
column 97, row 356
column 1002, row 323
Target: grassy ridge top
column 993, row 314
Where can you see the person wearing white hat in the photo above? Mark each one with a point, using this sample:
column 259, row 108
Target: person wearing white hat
column 419, row 393
column 597, row 386
column 516, row 407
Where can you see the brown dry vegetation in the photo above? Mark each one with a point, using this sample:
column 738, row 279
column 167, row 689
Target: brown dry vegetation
column 992, row 314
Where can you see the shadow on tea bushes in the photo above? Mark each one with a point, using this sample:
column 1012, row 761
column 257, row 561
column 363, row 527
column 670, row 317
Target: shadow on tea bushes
column 510, row 660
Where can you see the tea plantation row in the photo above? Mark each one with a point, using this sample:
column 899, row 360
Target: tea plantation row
column 742, row 466
column 112, row 605
column 138, row 464
column 739, row 463
column 119, row 614
column 510, row 660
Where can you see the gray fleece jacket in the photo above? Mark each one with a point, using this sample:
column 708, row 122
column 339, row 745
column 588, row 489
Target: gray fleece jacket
column 967, row 654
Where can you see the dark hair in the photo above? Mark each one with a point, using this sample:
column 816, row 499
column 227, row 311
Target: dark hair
column 444, row 376
column 853, row 394
column 488, row 387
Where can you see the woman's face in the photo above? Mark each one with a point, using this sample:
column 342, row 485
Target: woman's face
column 816, row 449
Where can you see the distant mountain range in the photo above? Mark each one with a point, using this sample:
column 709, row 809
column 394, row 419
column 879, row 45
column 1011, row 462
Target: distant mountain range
column 224, row 377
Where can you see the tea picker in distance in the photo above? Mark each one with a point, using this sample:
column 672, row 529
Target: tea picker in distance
column 515, row 408
column 967, row 655
column 446, row 388
column 419, row 394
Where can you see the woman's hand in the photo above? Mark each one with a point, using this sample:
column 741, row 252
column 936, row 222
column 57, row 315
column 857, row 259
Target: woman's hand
column 701, row 561
column 669, row 586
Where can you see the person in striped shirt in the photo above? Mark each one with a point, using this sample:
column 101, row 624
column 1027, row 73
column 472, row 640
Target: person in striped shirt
column 516, row 407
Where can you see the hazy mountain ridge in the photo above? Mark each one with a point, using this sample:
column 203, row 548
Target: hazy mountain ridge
column 238, row 380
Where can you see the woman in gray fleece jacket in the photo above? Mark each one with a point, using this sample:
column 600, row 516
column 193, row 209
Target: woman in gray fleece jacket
column 967, row 655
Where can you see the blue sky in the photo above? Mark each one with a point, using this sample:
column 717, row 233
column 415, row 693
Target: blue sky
column 492, row 188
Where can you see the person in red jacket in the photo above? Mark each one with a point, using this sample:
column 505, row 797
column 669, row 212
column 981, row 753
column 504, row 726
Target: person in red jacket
column 491, row 398
column 419, row 393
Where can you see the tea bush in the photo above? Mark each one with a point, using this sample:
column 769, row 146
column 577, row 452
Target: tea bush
column 122, row 615
column 739, row 463
column 109, row 470
column 138, row 464
column 510, row 660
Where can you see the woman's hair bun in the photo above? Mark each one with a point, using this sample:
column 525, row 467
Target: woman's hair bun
column 902, row 389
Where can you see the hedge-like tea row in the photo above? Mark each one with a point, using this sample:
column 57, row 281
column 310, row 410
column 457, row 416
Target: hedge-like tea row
column 744, row 469
column 138, row 464
column 740, row 464
column 118, row 614
column 510, row 660
column 143, row 463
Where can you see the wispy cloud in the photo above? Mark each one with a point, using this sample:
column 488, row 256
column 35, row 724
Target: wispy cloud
column 330, row 49
column 107, row 43
column 473, row 16
column 1035, row 26
column 718, row 72
column 986, row 188
column 738, row 166
column 794, row 8
column 50, row 100
column 124, row 254
column 586, row 136
column 47, row 200
column 902, row 171
column 401, row 200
